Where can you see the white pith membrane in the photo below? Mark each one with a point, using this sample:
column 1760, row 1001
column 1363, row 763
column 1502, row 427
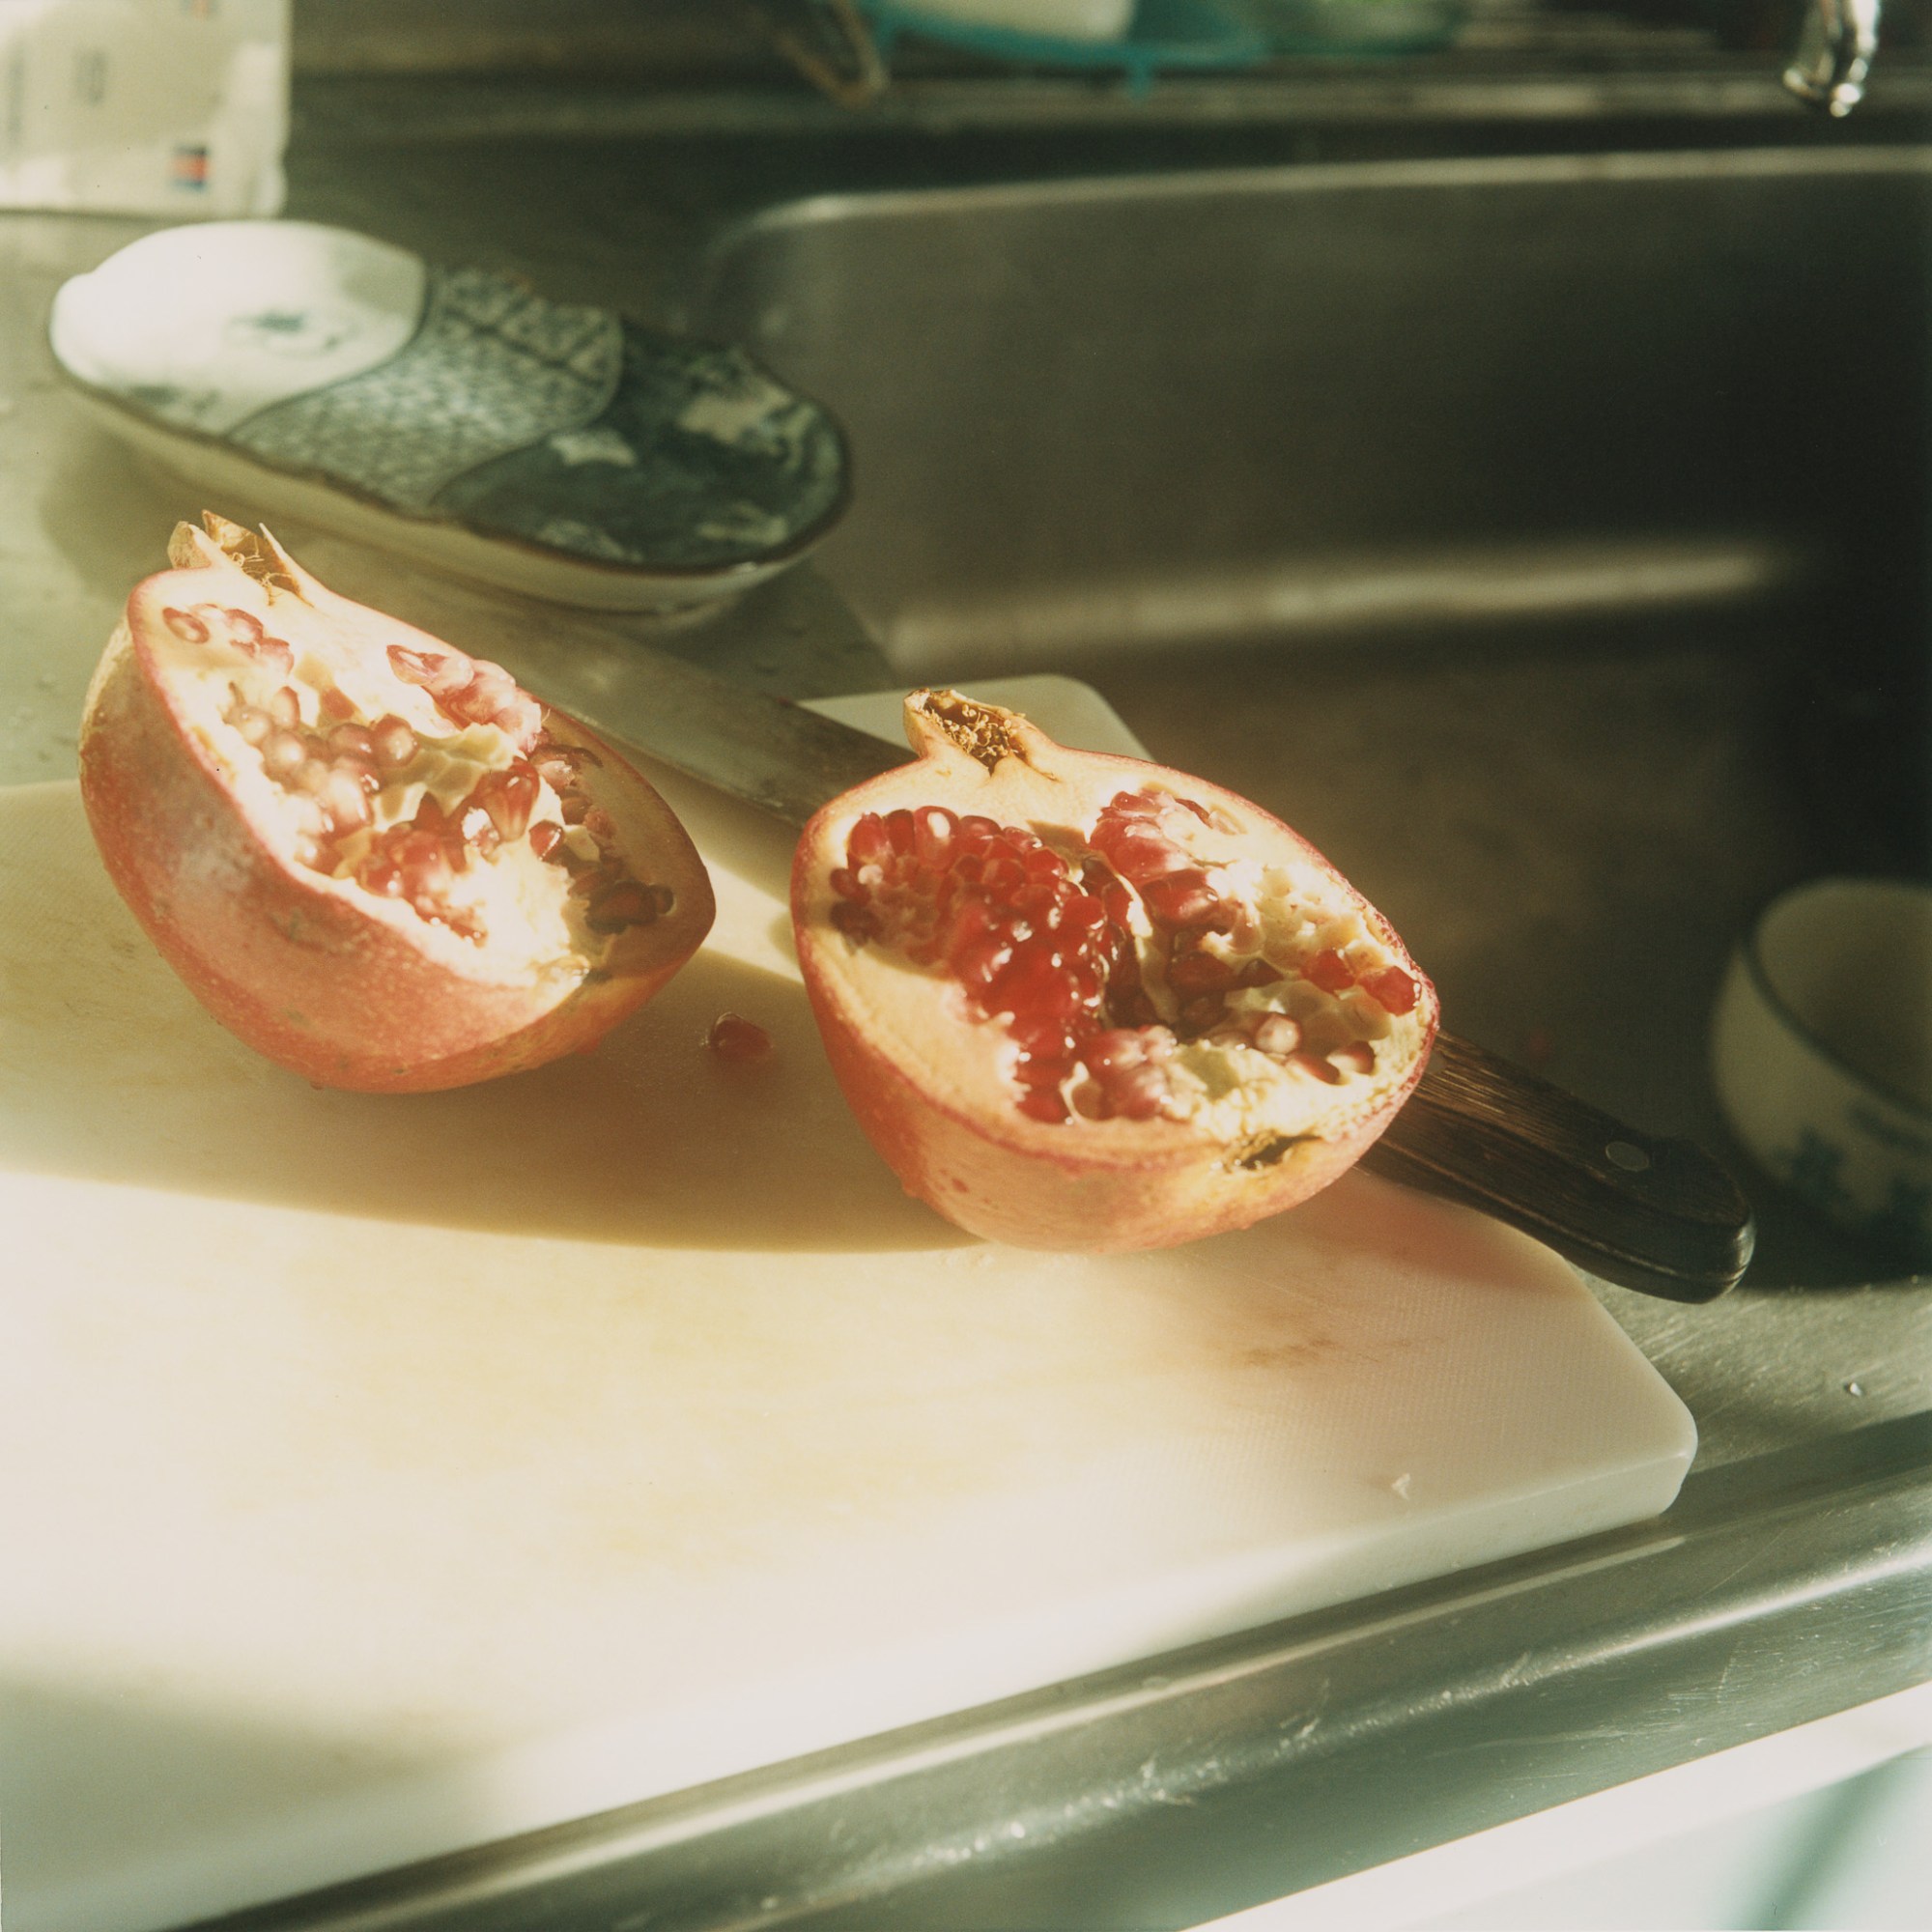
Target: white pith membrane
column 276, row 688
column 1252, row 1067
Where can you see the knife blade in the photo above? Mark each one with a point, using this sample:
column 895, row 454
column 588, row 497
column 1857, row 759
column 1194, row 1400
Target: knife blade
column 1647, row 1211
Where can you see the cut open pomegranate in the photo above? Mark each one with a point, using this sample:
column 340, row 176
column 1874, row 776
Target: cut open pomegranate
column 1081, row 1002
column 371, row 855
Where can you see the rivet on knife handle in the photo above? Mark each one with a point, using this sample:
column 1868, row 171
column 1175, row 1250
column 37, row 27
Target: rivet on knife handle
column 1640, row 1209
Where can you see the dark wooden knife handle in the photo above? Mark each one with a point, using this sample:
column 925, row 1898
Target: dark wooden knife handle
column 1640, row 1209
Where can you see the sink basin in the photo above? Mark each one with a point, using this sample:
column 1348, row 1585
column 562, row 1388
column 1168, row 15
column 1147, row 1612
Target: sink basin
column 1542, row 537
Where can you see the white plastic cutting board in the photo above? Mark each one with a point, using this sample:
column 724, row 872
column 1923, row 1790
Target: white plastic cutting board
column 382, row 1476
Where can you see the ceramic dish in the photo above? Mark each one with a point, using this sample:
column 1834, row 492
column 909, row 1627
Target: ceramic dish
column 454, row 414
column 1821, row 1053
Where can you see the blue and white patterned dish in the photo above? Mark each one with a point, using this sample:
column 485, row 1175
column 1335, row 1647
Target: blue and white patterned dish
column 553, row 449
column 1821, row 1054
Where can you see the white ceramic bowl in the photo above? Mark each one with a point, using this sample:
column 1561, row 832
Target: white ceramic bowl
column 1821, row 1053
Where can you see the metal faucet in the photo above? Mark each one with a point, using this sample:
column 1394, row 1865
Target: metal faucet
column 1835, row 53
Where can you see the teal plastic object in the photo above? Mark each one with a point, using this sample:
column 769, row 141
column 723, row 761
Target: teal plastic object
column 1164, row 36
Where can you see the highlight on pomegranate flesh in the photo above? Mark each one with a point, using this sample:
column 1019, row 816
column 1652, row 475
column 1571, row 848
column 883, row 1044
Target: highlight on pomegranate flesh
column 370, row 856
column 1079, row 1000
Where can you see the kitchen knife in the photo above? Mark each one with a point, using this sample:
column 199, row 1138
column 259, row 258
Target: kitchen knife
column 1648, row 1212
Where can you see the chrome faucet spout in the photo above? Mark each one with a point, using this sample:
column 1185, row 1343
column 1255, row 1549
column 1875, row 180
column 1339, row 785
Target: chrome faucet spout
column 1834, row 54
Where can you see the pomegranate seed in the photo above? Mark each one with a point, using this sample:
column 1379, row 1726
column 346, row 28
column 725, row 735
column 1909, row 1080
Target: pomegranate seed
column 1278, row 1035
column 543, row 835
column 430, row 817
column 1199, row 973
column 336, row 703
column 735, row 1037
column 285, row 707
column 442, row 676
column 935, row 837
column 186, row 625
column 574, row 805
column 311, row 775
column 1042, row 1103
column 393, row 741
column 254, row 725
column 347, row 802
column 1318, row 1068
column 1358, row 1056
column 1391, row 989
column 353, row 740
column 1330, row 971
column 508, row 797
column 627, row 904
column 283, row 755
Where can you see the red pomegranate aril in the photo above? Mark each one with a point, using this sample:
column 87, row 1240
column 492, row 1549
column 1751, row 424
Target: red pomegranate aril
column 1042, row 1103
column 734, row 1037
column 311, row 775
column 440, row 676
column 346, row 802
column 1358, row 1056
column 1200, row 972
column 190, row 628
column 285, row 707
column 253, row 726
column 335, row 704
column 1330, row 971
column 543, row 835
column 935, row 837
column 353, row 740
column 1391, row 989
column 283, row 755
column 394, row 741
column 1318, row 1068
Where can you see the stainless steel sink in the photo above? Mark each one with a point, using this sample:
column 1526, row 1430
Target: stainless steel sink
column 1542, row 537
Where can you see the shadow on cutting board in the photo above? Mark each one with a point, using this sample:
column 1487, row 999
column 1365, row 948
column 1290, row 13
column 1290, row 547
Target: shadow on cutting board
column 110, row 1072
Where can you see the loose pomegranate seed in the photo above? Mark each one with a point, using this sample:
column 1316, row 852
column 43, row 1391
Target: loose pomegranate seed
column 1358, row 1056
column 543, row 835
column 1391, row 989
column 737, row 1039
column 1314, row 1064
column 1330, row 971
column 186, row 625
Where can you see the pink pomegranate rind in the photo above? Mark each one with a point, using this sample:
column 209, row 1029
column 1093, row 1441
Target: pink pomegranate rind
column 1180, row 1021
column 251, row 888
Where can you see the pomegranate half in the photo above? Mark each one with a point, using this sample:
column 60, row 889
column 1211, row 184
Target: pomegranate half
column 1081, row 1002
column 370, row 856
